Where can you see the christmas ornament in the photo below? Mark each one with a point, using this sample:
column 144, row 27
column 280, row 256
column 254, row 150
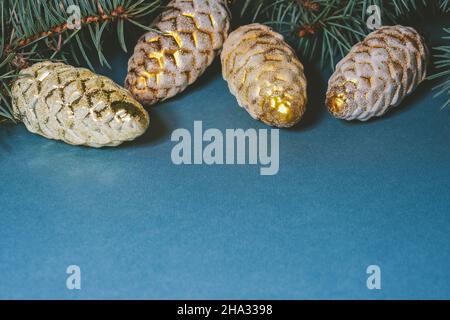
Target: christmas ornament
column 377, row 74
column 164, row 63
column 265, row 75
column 76, row 106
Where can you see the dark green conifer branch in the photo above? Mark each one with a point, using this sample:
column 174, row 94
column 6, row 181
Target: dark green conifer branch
column 442, row 64
column 35, row 30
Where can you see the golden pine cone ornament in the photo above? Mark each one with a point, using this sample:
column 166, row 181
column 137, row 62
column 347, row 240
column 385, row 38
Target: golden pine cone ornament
column 265, row 75
column 76, row 106
column 377, row 74
column 164, row 63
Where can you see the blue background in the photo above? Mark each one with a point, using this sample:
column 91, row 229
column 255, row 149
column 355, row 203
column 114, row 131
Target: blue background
column 347, row 195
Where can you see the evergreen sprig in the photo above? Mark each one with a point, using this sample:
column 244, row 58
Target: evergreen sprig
column 442, row 64
column 35, row 30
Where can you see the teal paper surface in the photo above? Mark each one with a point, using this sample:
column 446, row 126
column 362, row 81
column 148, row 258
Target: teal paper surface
column 347, row 195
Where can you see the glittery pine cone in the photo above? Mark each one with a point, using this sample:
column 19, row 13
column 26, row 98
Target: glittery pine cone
column 265, row 75
column 377, row 74
column 165, row 63
column 76, row 106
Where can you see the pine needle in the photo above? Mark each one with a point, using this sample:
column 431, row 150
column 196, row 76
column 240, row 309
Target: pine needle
column 36, row 30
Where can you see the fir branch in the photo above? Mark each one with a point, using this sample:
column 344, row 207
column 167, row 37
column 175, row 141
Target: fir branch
column 442, row 64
